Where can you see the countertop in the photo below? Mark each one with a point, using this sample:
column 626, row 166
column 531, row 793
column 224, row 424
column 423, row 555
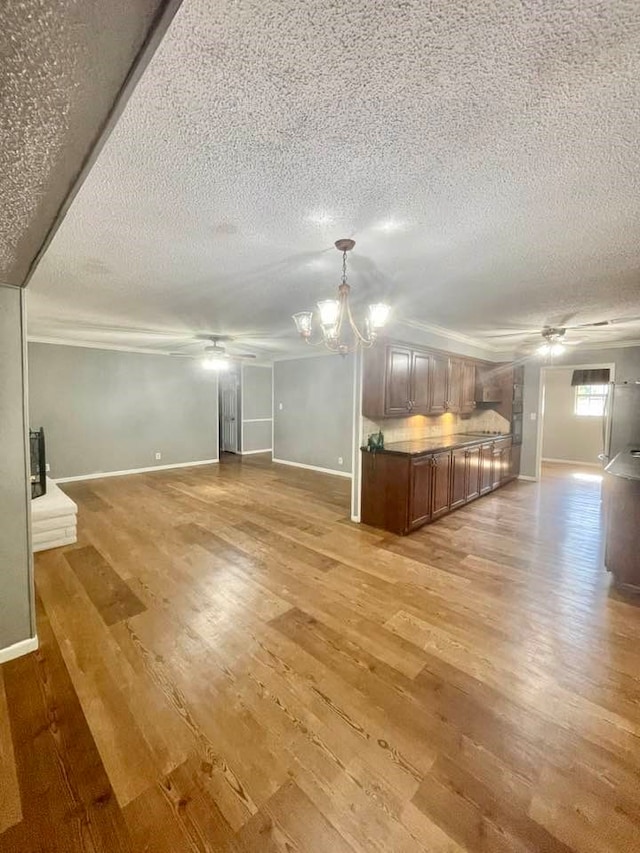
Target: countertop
column 625, row 465
column 420, row 446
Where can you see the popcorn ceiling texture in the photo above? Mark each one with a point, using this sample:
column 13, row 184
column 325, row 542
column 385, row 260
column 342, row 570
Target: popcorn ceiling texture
column 484, row 156
column 62, row 64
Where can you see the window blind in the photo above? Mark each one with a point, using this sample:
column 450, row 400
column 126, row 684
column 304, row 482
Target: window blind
column 594, row 376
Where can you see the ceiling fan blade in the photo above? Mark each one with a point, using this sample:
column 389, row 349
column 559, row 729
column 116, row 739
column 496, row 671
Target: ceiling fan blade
column 603, row 323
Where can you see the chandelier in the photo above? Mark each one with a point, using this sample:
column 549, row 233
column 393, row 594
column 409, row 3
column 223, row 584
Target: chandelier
column 334, row 314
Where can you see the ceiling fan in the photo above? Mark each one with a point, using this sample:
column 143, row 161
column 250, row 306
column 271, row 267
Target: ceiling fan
column 554, row 337
column 215, row 356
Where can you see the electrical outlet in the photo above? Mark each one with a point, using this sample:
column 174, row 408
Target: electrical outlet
column 158, row 456
column 47, row 467
column 533, row 416
column 340, row 460
column 280, row 406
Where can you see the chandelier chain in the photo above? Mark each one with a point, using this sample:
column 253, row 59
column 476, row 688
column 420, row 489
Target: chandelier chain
column 344, row 267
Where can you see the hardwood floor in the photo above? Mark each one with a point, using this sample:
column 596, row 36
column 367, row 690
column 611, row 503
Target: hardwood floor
column 227, row 663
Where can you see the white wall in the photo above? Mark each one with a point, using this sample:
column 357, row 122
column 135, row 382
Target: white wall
column 565, row 435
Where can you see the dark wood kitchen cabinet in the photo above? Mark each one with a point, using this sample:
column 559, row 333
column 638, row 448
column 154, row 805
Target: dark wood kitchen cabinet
column 401, row 492
column 420, row 491
column 400, row 380
column 421, row 377
column 397, row 398
column 396, row 382
column 440, row 483
column 465, row 472
column 439, row 384
column 486, row 468
column 458, row 477
column 454, row 385
column 472, row 473
column 468, row 393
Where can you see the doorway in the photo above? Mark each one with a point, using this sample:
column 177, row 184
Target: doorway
column 228, row 408
column 572, row 417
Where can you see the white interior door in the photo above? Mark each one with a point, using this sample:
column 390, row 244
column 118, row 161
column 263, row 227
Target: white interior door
column 228, row 412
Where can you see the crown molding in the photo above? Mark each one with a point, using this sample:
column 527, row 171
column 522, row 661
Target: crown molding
column 444, row 332
column 603, row 345
column 69, row 342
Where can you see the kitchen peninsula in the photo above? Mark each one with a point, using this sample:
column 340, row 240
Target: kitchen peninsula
column 411, row 483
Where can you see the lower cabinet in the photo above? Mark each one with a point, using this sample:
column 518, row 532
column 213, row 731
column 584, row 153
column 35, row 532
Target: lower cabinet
column 459, row 460
column 401, row 493
column 472, row 483
column 440, row 483
column 486, row 468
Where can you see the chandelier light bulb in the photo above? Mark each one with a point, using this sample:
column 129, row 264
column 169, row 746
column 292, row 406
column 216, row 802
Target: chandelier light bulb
column 329, row 310
column 378, row 314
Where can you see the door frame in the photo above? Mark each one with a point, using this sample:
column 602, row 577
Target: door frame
column 541, row 396
column 227, row 383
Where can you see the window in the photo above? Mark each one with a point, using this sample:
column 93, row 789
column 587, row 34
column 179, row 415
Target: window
column 590, row 400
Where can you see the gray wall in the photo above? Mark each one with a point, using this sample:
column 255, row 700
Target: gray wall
column 626, row 360
column 15, row 550
column 565, row 435
column 257, row 394
column 111, row 411
column 315, row 424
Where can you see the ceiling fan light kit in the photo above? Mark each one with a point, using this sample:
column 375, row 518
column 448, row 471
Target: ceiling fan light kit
column 216, row 356
column 333, row 314
column 552, row 342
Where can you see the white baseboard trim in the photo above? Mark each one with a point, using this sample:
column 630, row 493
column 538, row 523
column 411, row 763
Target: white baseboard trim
column 527, row 478
column 312, row 468
column 103, row 474
column 251, row 452
column 572, row 462
column 19, row 649
column 355, row 518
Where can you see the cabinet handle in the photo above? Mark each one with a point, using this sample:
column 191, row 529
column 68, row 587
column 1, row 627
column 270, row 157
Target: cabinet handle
column 434, row 462
column 409, row 405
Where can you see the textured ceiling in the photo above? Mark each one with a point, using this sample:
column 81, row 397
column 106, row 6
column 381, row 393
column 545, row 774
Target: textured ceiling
column 484, row 156
column 62, row 67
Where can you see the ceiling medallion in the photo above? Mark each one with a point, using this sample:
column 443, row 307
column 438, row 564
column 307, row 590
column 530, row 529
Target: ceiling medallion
column 334, row 314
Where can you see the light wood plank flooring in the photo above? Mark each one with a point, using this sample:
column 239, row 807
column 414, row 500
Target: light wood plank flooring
column 227, row 663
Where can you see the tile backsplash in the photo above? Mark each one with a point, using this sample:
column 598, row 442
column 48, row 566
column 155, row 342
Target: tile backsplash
column 427, row 426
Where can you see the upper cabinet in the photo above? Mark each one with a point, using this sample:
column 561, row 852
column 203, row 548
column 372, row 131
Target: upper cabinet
column 402, row 381
column 398, row 381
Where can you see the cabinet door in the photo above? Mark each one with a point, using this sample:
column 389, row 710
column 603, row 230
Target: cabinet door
column 468, row 402
column 454, row 385
column 397, row 398
column 420, row 373
column 420, row 498
column 486, row 468
column 515, row 460
column 472, row 485
column 439, row 376
column 496, row 479
column 440, row 484
column 458, row 477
